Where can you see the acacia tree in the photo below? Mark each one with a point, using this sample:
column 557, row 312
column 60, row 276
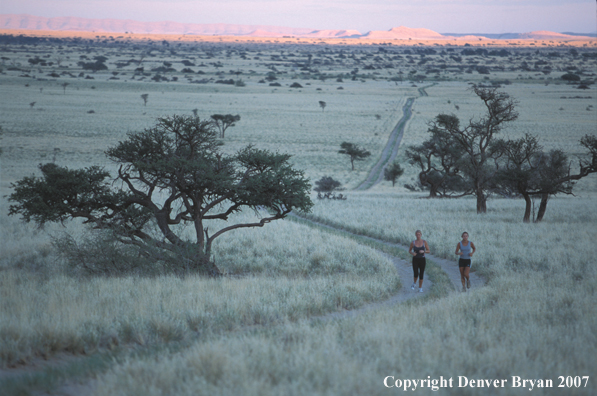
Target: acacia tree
column 527, row 171
column 393, row 172
column 224, row 121
column 322, row 104
column 519, row 172
column 438, row 158
column 475, row 139
column 354, row 152
column 145, row 97
column 170, row 174
column 553, row 179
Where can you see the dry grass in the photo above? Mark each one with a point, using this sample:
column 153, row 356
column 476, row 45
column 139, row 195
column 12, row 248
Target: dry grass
column 535, row 318
column 317, row 273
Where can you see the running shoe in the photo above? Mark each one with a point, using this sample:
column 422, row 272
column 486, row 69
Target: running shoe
column 468, row 283
column 413, row 286
column 420, row 290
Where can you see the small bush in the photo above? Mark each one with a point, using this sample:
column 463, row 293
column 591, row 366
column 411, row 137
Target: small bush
column 570, row 77
column 327, row 184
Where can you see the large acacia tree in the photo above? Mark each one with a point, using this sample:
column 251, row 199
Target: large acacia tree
column 170, row 174
column 476, row 137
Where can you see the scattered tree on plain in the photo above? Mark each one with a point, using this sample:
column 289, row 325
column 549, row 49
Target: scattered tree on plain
column 171, row 174
column 144, row 97
column 551, row 169
column 528, row 171
column 326, row 187
column 438, row 158
column 519, row 173
column 322, row 104
column 224, row 121
column 354, row 152
column 393, row 172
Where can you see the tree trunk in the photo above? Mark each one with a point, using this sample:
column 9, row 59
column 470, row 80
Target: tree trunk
column 527, row 209
column 542, row 207
column 433, row 190
column 481, row 202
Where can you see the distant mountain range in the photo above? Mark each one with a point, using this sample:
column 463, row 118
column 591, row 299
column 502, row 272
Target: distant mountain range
column 30, row 22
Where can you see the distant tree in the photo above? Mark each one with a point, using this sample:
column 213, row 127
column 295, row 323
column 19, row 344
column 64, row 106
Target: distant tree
column 171, row 174
column 144, row 97
column 322, row 104
column 93, row 66
column 354, row 152
column 32, row 104
column 224, row 121
column 327, row 184
column 393, row 172
column 295, row 85
column 64, row 85
column 326, row 188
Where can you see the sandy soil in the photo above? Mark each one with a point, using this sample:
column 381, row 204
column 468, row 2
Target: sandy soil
column 459, row 41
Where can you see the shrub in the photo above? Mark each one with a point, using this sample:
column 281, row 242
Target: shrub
column 570, row 77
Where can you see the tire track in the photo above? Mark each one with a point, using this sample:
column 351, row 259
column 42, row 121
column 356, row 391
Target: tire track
column 390, row 151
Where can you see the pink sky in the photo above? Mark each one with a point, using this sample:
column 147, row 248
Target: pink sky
column 444, row 16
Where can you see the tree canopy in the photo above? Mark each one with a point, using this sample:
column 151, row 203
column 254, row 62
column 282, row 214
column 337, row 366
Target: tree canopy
column 224, row 121
column 393, row 172
column 173, row 173
column 355, row 152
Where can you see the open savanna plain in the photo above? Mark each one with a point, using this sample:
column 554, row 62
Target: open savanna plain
column 266, row 327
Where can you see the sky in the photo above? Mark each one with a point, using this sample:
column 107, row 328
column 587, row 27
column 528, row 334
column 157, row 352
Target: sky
column 443, row 16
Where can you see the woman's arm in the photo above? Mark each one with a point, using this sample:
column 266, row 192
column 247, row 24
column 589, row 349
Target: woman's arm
column 410, row 249
column 458, row 252
column 427, row 248
column 473, row 249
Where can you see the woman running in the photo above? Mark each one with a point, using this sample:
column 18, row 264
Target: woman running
column 418, row 248
column 465, row 250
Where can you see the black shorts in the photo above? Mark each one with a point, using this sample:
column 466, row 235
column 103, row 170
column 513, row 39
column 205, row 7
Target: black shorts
column 464, row 263
column 419, row 267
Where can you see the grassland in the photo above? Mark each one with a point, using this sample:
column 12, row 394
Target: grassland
column 250, row 333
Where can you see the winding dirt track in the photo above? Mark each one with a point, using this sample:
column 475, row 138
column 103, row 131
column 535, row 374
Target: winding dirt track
column 405, row 273
column 404, row 268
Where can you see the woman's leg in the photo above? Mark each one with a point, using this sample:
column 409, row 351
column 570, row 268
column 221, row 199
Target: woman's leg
column 462, row 278
column 421, row 272
column 466, row 273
